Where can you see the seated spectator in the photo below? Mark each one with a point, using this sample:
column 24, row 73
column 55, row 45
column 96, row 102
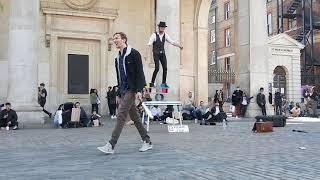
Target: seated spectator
column 156, row 113
column 84, row 121
column 216, row 114
column 188, row 104
column 95, row 117
column 201, row 111
column 167, row 113
column 296, row 111
column 8, row 118
column 58, row 116
column 66, row 113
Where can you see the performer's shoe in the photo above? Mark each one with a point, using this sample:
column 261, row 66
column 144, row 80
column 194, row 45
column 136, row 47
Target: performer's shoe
column 146, row 146
column 164, row 85
column 107, row 149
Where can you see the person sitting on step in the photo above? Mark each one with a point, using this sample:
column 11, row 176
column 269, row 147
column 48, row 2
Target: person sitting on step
column 95, row 119
column 216, row 114
column 167, row 113
column 8, row 118
column 201, row 111
column 156, row 113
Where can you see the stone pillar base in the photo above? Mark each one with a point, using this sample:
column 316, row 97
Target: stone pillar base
column 254, row 110
column 30, row 116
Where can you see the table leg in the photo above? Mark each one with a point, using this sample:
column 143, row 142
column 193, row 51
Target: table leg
column 142, row 119
column 148, row 124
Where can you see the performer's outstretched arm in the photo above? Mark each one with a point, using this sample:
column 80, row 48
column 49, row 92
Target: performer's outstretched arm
column 169, row 40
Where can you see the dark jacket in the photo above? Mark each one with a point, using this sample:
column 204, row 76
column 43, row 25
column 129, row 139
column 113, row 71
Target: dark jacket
column 213, row 110
column 12, row 115
column 236, row 97
column 261, row 99
column 314, row 96
column 112, row 97
column 277, row 99
column 134, row 70
column 109, row 95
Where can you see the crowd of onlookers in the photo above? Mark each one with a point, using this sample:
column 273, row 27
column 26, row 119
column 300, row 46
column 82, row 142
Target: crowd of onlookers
column 72, row 114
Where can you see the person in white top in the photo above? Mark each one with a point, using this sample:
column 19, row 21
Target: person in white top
column 58, row 117
column 157, row 41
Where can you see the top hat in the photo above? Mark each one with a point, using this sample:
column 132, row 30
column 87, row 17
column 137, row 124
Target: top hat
column 162, row 24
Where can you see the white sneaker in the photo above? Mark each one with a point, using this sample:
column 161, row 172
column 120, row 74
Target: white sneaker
column 7, row 128
column 145, row 147
column 107, row 149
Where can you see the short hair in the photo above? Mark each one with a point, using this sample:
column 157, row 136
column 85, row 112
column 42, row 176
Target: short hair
column 77, row 103
column 261, row 88
column 8, row 104
column 42, row 84
column 122, row 35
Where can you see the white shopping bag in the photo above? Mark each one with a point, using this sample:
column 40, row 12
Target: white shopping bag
column 232, row 108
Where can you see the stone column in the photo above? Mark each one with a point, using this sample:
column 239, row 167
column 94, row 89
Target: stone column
column 253, row 64
column 295, row 86
column 22, row 54
column 169, row 11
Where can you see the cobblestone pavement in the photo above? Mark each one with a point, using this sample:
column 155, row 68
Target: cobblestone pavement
column 207, row 152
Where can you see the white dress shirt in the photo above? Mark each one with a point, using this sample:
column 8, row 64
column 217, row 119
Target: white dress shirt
column 153, row 38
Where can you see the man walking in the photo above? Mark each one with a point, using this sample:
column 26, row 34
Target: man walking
column 131, row 82
column 157, row 40
column 42, row 98
column 261, row 101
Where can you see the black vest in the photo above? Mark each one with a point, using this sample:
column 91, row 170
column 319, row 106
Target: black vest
column 158, row 46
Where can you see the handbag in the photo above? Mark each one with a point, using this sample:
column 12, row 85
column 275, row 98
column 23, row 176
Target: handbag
column 98, row 100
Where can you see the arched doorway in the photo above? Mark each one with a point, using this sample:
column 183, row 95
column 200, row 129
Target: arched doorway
column 280, row 80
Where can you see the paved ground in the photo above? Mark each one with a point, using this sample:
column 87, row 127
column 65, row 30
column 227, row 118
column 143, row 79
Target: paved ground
column 207, row 152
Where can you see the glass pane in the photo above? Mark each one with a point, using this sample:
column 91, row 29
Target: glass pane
column 78, row 74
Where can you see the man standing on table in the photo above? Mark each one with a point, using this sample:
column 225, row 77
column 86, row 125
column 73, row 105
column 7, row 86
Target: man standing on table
column 157, row 41
column 131, row 82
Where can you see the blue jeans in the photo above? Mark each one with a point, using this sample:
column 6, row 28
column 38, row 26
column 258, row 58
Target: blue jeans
column 191, row 110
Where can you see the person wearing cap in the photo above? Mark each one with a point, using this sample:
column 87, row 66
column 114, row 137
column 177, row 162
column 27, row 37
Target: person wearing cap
column 8, row 118
column 42, row 98
column 157, row 41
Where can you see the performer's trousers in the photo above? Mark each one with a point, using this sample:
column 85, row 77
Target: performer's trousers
column 160, row 58
column 127, row 106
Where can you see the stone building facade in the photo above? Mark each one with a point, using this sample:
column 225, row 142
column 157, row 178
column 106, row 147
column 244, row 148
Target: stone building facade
column 56, row 41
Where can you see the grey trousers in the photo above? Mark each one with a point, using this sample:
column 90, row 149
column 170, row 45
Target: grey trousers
column 314, row 105
column 127, row 106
